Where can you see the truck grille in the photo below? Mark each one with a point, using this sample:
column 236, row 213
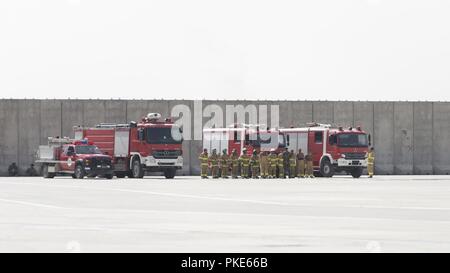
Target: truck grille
column 99, row 161
column 355, row 155
column 162, row 154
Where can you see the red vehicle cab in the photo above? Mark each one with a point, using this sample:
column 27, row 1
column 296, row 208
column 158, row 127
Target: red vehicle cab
column 78, row 158
column 333, row 149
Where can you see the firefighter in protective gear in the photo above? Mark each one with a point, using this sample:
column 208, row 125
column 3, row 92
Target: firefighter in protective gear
column 204, row 158
column 281, row 165
column 370, row 161
column 309, row 166
column 292, row 164
column 300, row 164
column 234, row 164
column 214, row 164
column 273, row 160
column 254, row 162
column 286, row 161
column 264, row 166
column 224, row 164
column 244, row 159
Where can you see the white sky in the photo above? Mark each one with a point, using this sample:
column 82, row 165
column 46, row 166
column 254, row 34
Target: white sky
column 233, row 49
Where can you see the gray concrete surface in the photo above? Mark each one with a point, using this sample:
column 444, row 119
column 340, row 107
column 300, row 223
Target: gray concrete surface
column 383, row 214
column 383, row 135
column 441, row 137
column 403, row 138
column 409, row 137
column 423, row 138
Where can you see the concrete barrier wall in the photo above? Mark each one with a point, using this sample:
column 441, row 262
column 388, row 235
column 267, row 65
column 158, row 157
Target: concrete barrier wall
column 423, row 138
column 9, row 134
column 441, row 137
column 383, row 137
column 409, row 137
column 403, row 138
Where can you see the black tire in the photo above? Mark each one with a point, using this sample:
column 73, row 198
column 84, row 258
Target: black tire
column 120, row 175
column 45, row 172
column 109, row 176
column 170, row 173
column 357, row 172
column 136, row 169
column 80, row 173
column 326, row 168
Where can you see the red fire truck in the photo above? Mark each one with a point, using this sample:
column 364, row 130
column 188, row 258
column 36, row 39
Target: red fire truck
column 78, row 158
column 152, row 145
column 333, row 149
column 242, row 136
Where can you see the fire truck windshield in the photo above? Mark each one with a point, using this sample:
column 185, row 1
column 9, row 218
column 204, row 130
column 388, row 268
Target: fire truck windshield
column 166, row 135
column 352, row 140
column 87, row 149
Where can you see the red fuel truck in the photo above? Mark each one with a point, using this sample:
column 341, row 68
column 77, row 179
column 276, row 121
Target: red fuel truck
column 333, row 149
column 152, row 145
column 243, row 136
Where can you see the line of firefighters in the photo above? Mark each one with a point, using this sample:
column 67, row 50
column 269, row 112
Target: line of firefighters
column 264, row 164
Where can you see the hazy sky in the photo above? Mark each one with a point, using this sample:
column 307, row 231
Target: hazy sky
column 233, row 49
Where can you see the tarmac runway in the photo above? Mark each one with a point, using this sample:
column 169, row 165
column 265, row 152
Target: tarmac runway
column 187, row 214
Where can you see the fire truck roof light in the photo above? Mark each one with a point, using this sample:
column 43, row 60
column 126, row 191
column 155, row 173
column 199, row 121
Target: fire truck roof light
column 153, row 116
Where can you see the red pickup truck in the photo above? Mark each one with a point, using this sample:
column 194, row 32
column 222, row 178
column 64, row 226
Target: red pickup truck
column 78, row 158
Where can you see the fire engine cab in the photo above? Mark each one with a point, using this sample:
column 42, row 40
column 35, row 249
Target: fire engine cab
column 333, row 149
column 78, row 158
column 240, row 136
column 152, row 145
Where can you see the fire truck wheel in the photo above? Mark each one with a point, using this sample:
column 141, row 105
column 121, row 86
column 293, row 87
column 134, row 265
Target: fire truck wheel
column 109, row 176
column 326, row 168
column 357, row 172
column 120, row 175
column 79, row 172
column 45, row 172
column 170, row 173
column 137, row 170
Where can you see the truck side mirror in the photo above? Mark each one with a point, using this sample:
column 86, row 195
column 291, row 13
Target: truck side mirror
column 370, row 142
column 288, row 140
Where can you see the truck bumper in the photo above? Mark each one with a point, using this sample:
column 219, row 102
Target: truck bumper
column 98, row 170
column 162, row 163
column 342, row 162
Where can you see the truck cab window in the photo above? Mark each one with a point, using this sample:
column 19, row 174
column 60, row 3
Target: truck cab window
column 332, row 140
column 163, row 135
column 237, row 137
column 140, row 134
column 318, row 137
column 70, row 150
column 247, row 139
